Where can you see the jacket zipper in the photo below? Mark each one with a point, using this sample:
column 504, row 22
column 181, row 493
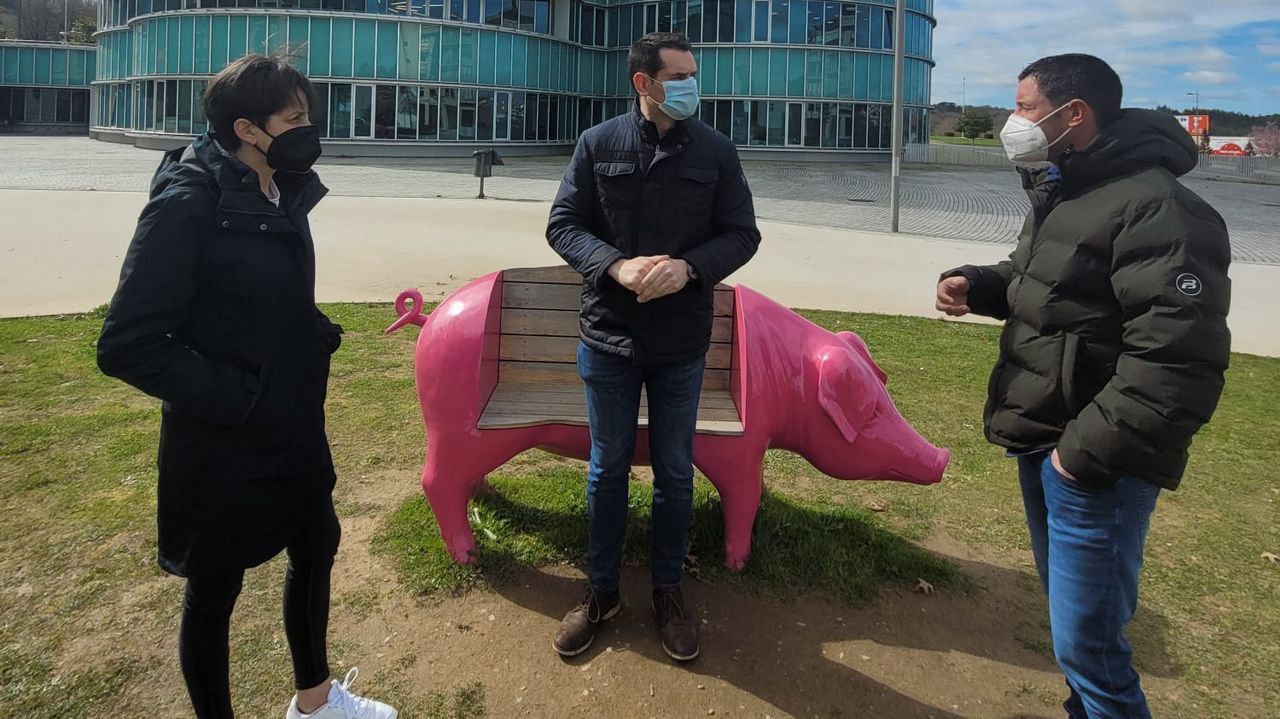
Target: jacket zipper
column 635, row 212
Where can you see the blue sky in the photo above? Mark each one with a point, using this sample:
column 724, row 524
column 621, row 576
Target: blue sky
column 1229, row 50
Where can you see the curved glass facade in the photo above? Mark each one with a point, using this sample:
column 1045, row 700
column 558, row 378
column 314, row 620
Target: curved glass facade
column 773, row 73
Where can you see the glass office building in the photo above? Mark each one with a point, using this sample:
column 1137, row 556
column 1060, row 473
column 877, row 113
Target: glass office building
column 442, row 76
column 45, row 87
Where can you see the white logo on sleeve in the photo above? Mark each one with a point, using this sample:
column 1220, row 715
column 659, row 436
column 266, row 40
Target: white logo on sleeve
column 1188, row 284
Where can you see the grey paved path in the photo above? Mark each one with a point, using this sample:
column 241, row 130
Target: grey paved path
column 970, row 204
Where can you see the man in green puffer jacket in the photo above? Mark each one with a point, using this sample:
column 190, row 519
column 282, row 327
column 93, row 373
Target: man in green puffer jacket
column 1113, row 351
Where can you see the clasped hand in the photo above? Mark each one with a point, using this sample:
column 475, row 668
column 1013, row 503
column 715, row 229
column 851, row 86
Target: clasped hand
column 651, row 277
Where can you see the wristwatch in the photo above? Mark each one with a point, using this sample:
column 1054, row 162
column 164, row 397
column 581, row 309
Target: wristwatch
column 693, row 274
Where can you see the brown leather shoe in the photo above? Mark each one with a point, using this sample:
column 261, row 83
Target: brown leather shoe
column 677, row 627
column 578, row 628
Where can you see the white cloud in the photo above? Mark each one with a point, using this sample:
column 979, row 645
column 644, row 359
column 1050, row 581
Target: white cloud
column 1155, row 46
column 1269, row 48
column 1274, row 67
column 1208, row 58
column 1211, row 77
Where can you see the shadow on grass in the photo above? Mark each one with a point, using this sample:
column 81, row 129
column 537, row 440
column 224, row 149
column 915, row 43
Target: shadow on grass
column 542, row 519
column 799, row 548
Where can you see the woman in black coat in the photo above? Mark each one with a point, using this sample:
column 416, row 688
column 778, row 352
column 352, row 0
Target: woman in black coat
column 215, row 315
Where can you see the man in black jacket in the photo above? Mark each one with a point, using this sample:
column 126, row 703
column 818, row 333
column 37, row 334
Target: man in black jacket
column 653, row 211
column 1112, row 356
column 215, row 315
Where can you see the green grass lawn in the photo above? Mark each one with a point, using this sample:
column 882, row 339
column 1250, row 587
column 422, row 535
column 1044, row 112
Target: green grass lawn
column 77, row 545
column 981, row 141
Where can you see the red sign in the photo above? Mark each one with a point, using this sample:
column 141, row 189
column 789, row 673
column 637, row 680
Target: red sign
column 1196, row 125
column 1231, row 149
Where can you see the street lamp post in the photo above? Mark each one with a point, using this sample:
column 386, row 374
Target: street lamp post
column 895, row 181
column 1197, row 94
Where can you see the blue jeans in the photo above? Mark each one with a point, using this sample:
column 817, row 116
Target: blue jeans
column 1088, row 547
column 613, row 407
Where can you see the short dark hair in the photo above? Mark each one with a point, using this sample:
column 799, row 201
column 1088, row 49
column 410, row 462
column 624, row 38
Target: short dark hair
column 646, row 54
column 1063, row 78
column 255, row 87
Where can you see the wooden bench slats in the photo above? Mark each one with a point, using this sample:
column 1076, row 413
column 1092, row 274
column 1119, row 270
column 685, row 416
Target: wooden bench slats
column 510, row 393
column 532, row 408
column 496, row 421
column 538, row 380
column 550, row 323
column 546, row 296
column 528, row 348
column 560, row 275
column 564, row 323
column 541, row 297
column 567, row 374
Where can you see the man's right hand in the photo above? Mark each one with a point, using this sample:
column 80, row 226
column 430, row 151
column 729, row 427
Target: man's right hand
column 630, row 273
column 953, row 296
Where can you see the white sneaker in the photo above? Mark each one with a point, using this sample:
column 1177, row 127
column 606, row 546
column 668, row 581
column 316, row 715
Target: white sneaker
column 343, row 704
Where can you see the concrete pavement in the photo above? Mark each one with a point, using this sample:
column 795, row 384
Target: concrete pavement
column 62, row 252
column 973, row 204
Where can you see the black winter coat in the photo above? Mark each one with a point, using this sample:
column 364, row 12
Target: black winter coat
column 628, row 194
column 215, row 315
column 1115, row 342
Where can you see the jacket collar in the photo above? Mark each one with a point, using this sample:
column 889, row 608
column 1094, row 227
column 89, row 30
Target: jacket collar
column 240, row 191
column 679, row 132
column 1042, row 185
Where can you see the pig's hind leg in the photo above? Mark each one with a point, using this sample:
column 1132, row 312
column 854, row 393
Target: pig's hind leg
column 453, row 472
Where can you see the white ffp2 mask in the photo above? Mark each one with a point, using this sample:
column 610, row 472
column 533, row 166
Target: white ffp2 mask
column 1024, row 141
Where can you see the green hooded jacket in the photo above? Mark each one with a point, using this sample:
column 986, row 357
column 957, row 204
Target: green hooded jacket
column 1115, row 342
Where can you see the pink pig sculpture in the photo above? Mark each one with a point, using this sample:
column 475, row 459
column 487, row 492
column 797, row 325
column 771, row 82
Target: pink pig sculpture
column 796, row 386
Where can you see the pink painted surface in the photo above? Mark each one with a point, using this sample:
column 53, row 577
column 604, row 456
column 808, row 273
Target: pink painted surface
column 798, row 387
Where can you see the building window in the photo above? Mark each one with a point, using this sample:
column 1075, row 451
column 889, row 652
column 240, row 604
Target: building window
column 448, row 114
column 428, row 113
column 502, row 116
column 795, row 127
column 362, row 112
column 407, row 113
column 385, row 116
column 862, row 37
column 817, row 22
column 484, row 116
column 518, row 100
column 467, row 115
column 844, row 127
column 340, row 111
column 693, row 24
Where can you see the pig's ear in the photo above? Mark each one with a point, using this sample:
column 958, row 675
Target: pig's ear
column 857, row 344
column 848, row 406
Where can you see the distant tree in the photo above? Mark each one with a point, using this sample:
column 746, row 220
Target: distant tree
column 82, row 31
column 1266, row 139
column 44, row 20
column 8, row 25
column 975, row 123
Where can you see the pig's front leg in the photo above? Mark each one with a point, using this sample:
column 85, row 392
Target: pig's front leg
column 737, row 471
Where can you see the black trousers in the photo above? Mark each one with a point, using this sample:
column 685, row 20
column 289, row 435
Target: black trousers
column 204, row 640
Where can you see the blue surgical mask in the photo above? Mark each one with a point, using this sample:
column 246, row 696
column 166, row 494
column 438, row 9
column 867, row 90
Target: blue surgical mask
column 682, row 97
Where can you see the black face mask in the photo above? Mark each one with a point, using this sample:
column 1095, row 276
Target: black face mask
column 294, row 150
